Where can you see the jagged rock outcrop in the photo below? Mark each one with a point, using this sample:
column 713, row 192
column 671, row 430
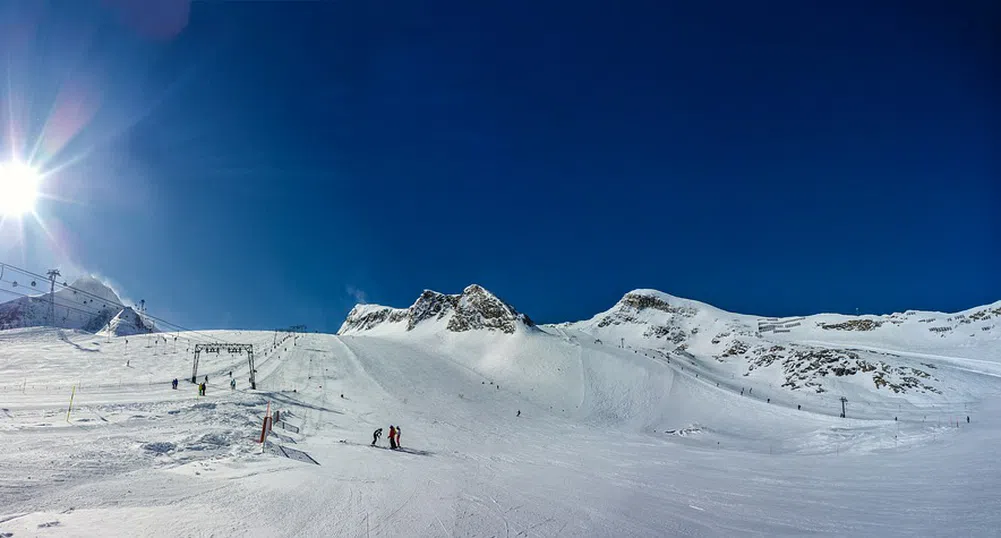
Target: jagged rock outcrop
column 474, row 309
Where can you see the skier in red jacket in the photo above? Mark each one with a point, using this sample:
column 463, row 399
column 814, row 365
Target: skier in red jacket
column 392, row 436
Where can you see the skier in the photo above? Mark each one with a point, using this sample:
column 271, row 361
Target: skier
column 519, row 413
column 232, row 384
column 967, row 419
column 398, row 437
column 173, row 384
column 206, row 379
column 376, row 435
column 392, row 437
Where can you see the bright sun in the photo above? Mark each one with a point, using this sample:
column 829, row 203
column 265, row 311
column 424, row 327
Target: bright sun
column 18, row 188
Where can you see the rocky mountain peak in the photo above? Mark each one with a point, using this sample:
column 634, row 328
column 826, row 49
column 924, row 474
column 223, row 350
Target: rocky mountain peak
column 473, row 309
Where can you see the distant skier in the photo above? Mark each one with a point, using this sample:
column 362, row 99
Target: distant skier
column 127, row 363
column 206, row 379
column 173, row 384
column 398, row 445
column 376, row 435
column 392, row 436
column 232, row 384
column 967, row 419
column 519, row 413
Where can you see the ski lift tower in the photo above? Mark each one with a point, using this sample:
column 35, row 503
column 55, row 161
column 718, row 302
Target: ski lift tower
column 843, row 402
column 230, row 348
column 53, row 273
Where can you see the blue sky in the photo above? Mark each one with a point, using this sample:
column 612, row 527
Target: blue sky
column 259, row 164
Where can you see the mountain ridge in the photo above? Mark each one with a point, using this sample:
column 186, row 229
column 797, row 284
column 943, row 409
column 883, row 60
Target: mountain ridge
column 473, row 309
column 815, row 352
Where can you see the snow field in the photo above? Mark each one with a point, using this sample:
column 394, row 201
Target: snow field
column 610, row 442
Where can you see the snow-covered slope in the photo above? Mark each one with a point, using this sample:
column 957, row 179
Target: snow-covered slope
column 531, row 433
column 508, row 429
column 128, row 322
column 821, row 353
column 86, row 305
column 474, row 309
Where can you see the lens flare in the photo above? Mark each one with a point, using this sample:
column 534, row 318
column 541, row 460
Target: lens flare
column 18, row 188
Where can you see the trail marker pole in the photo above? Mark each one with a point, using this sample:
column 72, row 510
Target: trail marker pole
column 264, row 426
column 70, row 408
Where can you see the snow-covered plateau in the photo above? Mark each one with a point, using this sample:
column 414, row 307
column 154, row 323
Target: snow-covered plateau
column 659, row 417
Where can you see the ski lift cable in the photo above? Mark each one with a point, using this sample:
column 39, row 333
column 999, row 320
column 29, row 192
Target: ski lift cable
column 63, row 286
column 75, row 308
column 58, row 305
column 71, row 307
column 79, row 308
column 166, row 324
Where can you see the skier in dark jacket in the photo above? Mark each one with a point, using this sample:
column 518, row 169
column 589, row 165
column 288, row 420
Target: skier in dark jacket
column 173, row 384
column 376, row 436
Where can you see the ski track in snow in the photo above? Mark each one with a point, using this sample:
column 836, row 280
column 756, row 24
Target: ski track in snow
column 598, row 449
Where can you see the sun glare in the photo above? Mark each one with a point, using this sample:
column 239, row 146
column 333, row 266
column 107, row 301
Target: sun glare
column 18, row 188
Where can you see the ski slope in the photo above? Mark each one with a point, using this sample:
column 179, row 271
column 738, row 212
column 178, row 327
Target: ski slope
column 610, row 442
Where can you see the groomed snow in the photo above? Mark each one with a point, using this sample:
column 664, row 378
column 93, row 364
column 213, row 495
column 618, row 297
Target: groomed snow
column 610, row 442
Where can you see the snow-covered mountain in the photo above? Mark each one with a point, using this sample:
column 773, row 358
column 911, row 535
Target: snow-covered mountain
column 868, row 356
column 800, row 352
column 511, row 425
column 128, row 322
column 86, row 305
column 473, row 309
